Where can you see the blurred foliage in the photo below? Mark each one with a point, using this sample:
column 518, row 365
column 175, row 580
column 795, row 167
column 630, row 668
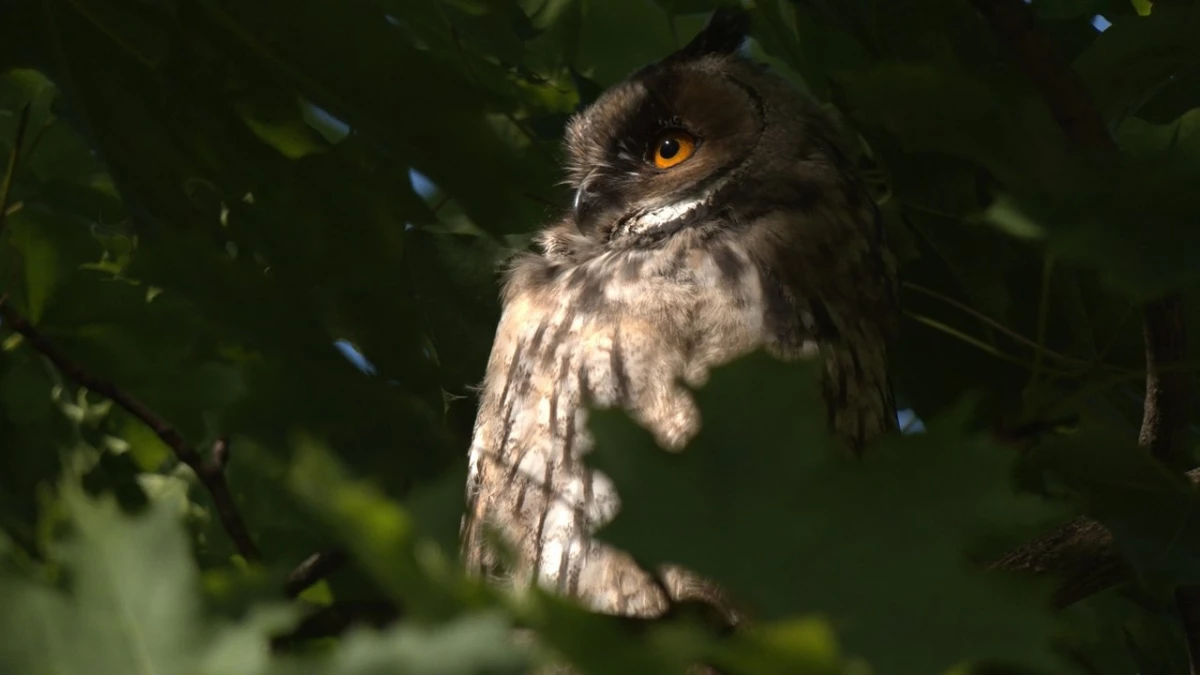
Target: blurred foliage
column 203, row 198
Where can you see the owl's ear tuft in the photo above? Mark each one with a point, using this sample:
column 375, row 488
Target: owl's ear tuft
column 723, row 34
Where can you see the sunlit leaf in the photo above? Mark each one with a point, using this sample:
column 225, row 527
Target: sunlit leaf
column 133, row 606
column 212, row 195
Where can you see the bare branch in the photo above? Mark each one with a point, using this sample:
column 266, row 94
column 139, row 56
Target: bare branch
column 314, row 568
column 1165, row 422
column 1165, row 417
column 1064, row 93
column 211, row 474
column 220, row 453
column 1080, row 554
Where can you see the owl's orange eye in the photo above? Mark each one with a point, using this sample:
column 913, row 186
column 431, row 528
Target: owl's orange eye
column 672, row 148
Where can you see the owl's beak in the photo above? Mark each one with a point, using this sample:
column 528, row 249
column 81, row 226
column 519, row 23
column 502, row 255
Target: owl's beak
column 585, row 202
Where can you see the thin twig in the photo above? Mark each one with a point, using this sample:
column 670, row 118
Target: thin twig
column 220, row 454
column 1165, row 422
column 1017, row 337
column 968, row 339
column 462, row 55
column 314, row 568
column 1043, row 320
column 10, row 169
column 211, row 473
column 94, row 18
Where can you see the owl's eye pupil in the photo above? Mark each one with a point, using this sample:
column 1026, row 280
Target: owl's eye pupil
column 669, row 148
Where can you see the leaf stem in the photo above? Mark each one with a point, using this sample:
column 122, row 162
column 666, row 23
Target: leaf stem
column 314, row 568
column 10, row 169
column 969, row 339
column 1042, row 320
column 1017, row 337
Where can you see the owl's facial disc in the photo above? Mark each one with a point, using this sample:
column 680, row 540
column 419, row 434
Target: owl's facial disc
column 670, row 149
column 654, row 154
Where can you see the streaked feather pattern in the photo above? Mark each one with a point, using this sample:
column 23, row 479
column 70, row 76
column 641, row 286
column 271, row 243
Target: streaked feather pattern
column 764, row 237
column 628, row 328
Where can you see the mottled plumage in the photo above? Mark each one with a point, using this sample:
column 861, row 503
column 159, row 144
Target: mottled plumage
column 764, row 237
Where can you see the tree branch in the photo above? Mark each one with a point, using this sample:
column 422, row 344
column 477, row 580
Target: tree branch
column 1168, row 396
column 335, row 619
column 1081, row 554
column 210, row 473
column 1165, row 411
column 314, row 568
column 1165, row 422
column 1063, row 92
column 10, row 169
column 10, row 174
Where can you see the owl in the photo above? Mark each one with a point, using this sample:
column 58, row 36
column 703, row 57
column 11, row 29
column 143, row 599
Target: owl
column 716, row 212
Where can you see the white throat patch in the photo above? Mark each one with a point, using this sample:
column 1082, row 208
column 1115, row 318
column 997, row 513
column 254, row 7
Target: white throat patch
column 652, row 220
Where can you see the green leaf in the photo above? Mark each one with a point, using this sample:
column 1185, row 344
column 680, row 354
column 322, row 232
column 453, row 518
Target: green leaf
column 20, row 87
column 48, row 250
column 1129, row 221
column 789, row 646
column 1136, row 56
column 300, row 46
column 393, row 548
column 600, row 645
column 455, row 280
column 243, row 648
column 291, row 136
column 647, row 37
column 33, row 435
column 799, row 35
column 975, row 255
column 133, row 608
column 25, row 391
column 1177, row 142
column 1152, row 511
column 762, row 488
column 212, row 192
column 931, row 107
column 1116, row 632
column 481, row 643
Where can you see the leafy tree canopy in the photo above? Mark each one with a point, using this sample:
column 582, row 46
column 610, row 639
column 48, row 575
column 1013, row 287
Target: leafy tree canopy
column 208, row 205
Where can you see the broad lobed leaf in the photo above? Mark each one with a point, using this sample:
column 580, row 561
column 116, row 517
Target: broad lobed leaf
column 764, row 503
column 210, row 193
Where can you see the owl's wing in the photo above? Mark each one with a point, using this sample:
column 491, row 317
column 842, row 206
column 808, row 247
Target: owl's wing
column 527, row 482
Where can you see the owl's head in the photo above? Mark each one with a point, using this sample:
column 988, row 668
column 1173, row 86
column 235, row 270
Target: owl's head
column 701, row 138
